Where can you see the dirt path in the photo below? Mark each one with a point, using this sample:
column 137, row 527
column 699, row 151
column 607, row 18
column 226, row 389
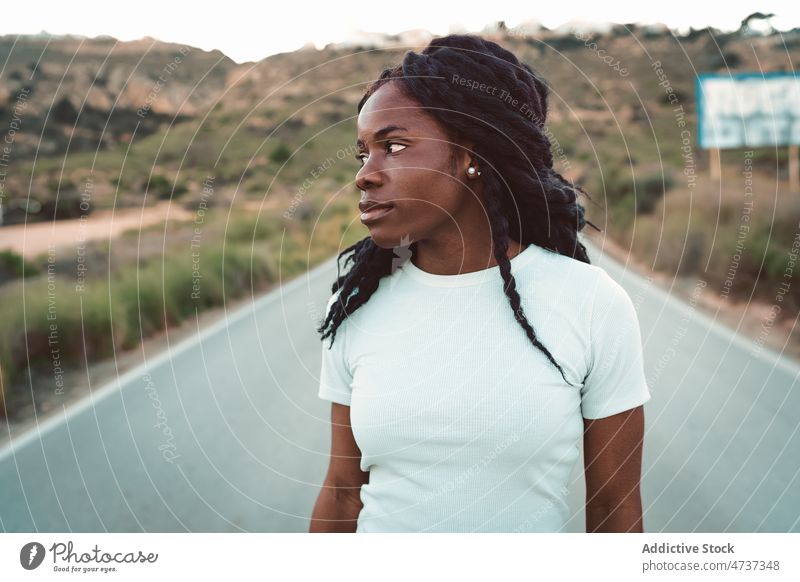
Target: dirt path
column 33, row 239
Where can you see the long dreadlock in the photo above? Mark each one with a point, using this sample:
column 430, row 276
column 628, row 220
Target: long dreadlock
column 524, row 195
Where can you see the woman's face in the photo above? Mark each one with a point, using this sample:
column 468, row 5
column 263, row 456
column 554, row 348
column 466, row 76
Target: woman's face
column 409, row 162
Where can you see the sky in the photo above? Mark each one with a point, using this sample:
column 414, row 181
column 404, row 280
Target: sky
column 250, row 31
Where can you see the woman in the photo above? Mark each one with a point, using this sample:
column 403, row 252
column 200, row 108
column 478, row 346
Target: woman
column 450, row 410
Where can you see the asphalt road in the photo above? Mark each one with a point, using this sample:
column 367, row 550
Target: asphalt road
column 224, row 432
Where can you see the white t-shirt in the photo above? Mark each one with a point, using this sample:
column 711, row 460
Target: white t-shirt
column 463, row 424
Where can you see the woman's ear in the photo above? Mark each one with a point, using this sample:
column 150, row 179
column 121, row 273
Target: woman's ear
column 464, row 158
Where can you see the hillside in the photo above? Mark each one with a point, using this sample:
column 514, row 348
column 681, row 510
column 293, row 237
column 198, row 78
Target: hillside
column 96, row 110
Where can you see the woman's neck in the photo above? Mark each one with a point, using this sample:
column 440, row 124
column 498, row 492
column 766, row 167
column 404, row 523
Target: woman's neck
column 448, row 258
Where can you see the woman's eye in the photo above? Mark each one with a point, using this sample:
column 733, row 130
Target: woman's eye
column 360, row 156
column 391, row 143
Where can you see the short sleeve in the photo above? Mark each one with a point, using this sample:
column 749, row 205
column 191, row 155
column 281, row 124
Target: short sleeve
column 616, row 380
column 335, row 378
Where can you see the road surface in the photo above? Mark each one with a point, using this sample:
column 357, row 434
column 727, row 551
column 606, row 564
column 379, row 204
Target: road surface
column 224, row 432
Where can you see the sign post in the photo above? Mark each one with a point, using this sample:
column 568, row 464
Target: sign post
column 714, row 163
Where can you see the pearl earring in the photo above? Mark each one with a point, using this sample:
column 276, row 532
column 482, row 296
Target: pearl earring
column 472, row 171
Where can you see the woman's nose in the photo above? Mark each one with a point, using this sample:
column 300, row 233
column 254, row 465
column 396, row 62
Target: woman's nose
column 368, row 176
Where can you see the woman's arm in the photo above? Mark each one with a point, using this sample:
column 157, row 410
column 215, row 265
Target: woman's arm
column 339, row 501
column 612, row 449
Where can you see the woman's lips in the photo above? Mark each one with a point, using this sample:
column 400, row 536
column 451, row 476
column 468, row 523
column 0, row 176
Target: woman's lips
column 375, row 213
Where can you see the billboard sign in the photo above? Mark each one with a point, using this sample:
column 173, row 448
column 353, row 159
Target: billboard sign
column 748, row 109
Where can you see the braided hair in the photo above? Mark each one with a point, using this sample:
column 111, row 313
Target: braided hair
column 525, row 197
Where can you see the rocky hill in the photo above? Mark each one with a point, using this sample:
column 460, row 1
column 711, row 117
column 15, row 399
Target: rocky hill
column 116, row 114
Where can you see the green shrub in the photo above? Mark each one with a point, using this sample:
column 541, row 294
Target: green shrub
column 650, row 189
column 249, row 228
column 280, row 153
column 163, row 188
column 13, row 265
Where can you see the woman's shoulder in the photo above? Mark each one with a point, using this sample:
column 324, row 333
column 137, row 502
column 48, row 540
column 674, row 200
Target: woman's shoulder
column 550, row 267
